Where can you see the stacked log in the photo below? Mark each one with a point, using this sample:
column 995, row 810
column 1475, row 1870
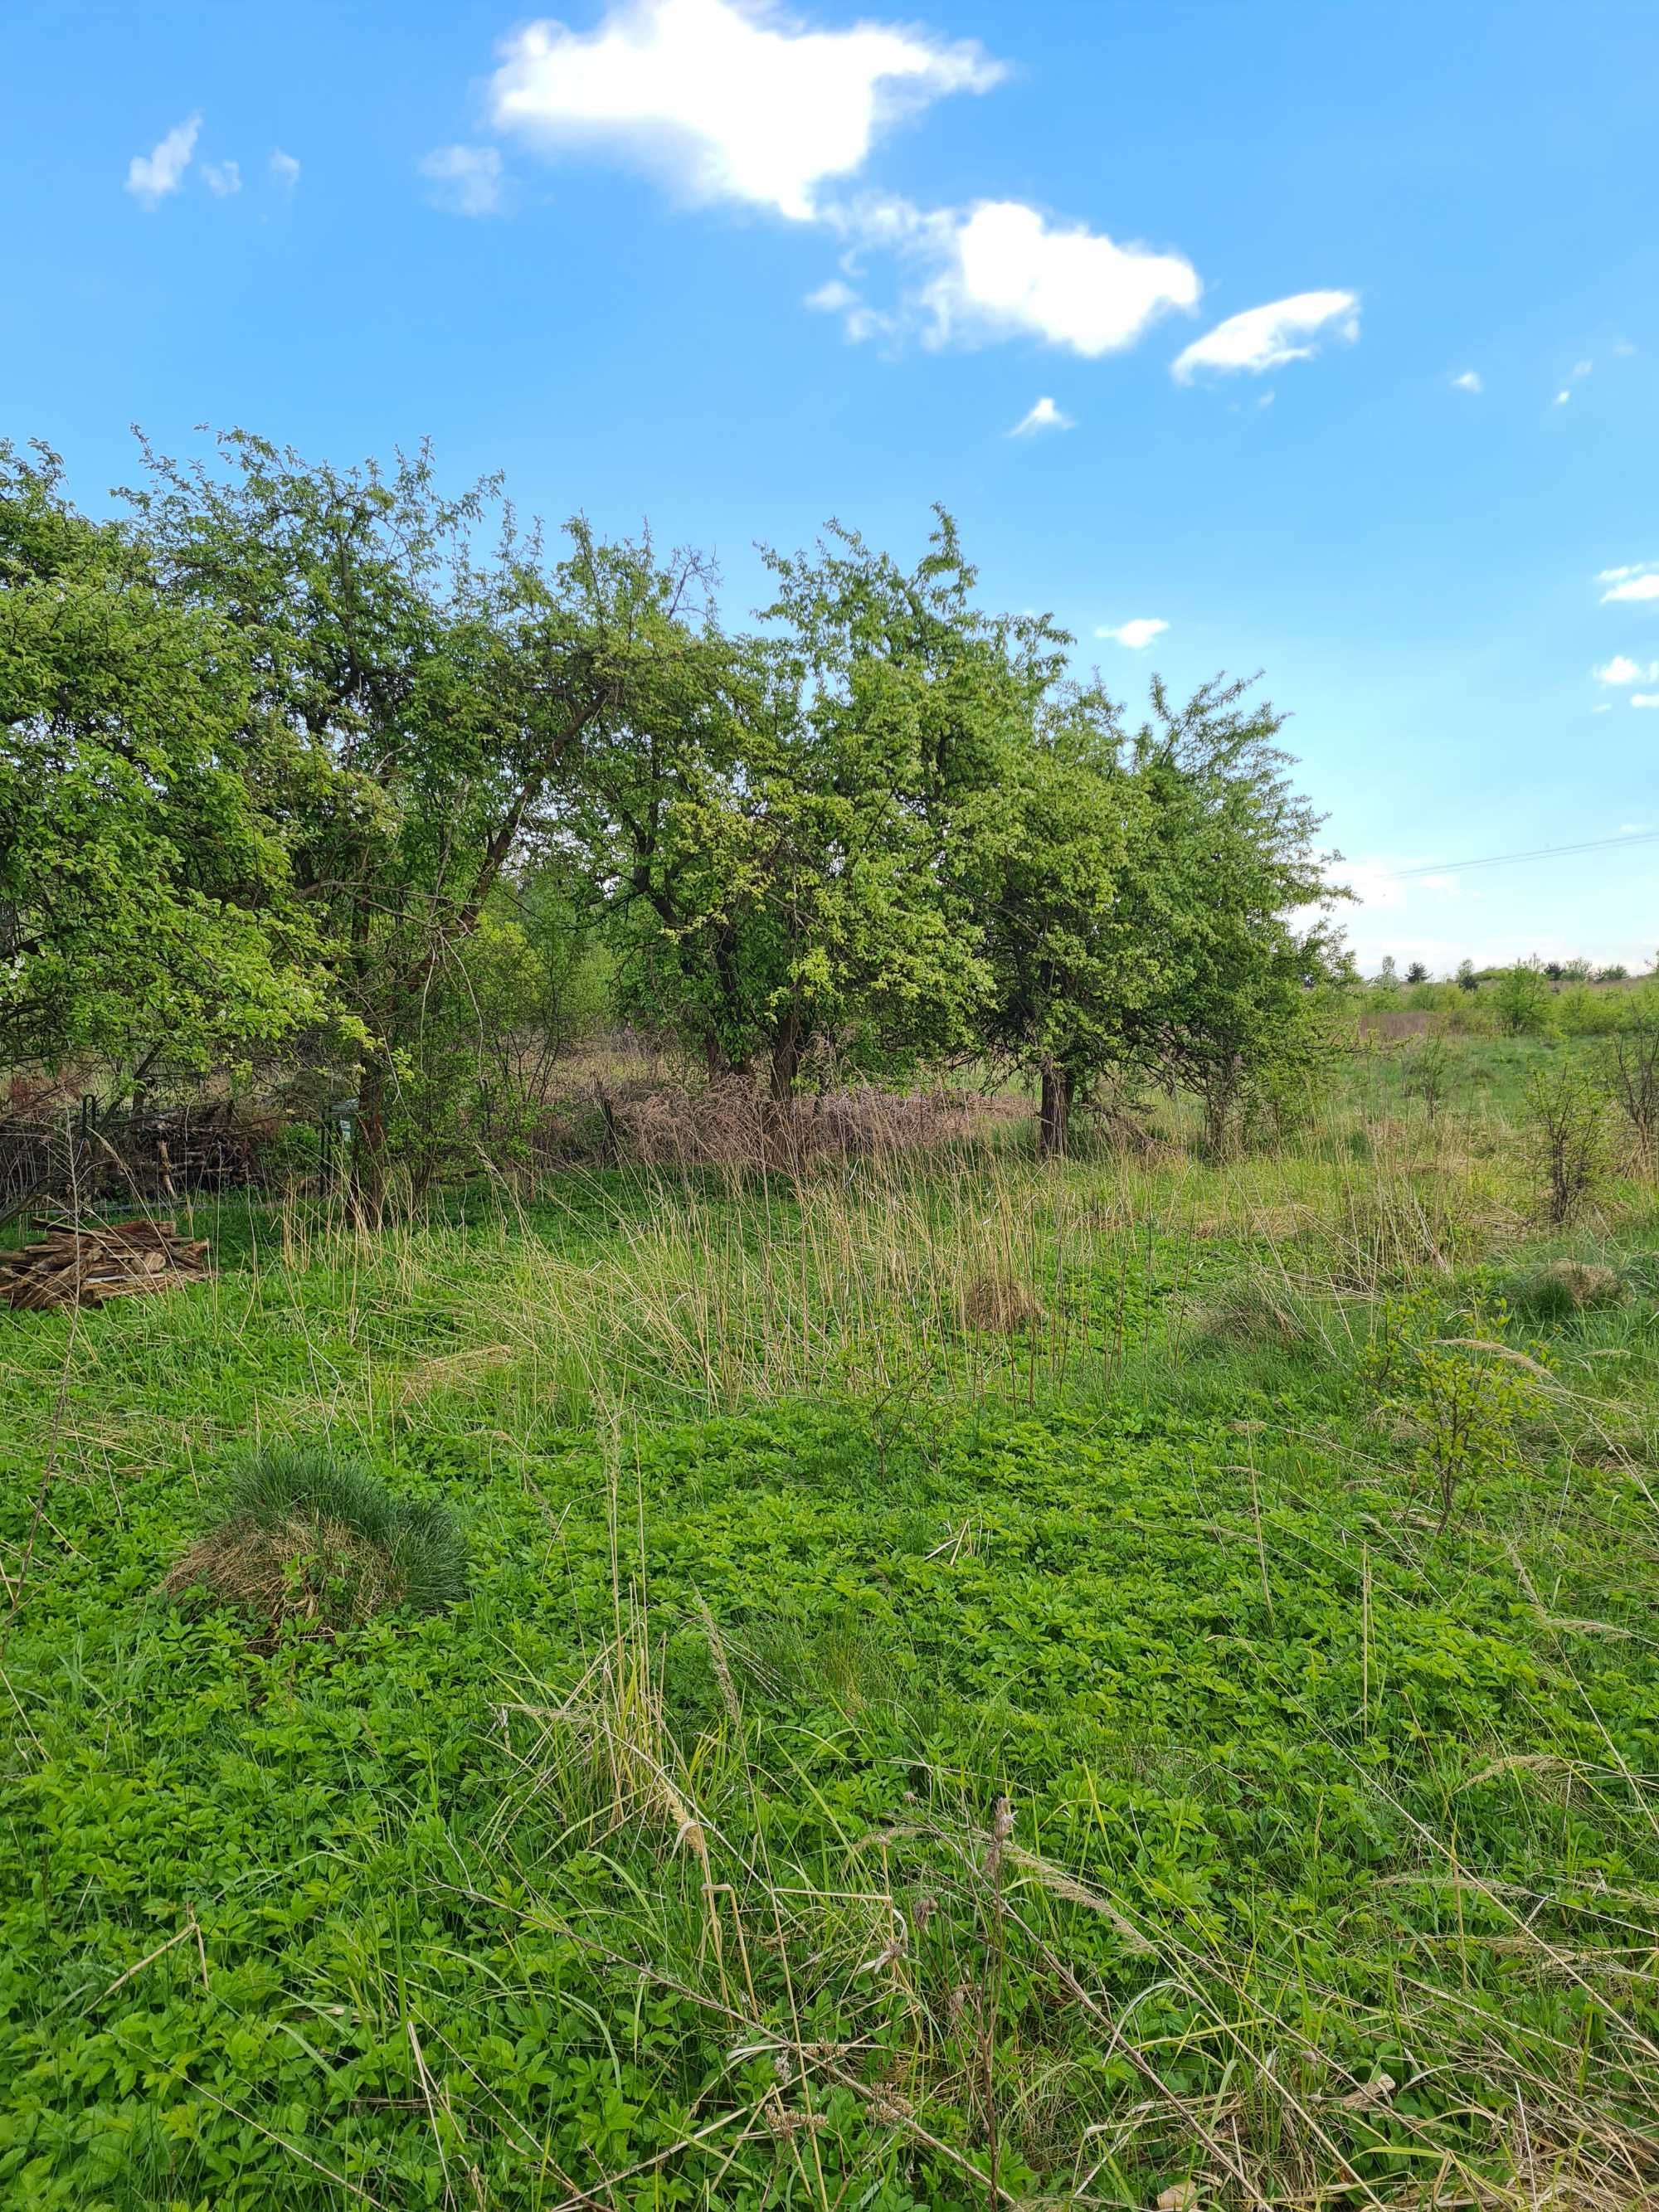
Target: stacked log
column 85, row 1263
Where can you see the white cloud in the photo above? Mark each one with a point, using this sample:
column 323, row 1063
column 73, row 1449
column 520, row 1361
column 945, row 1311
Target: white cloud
column 222, row 178
column 1635, row 828
column 1008, row 272
column 1640, row 582
column 1469, row 381
column 835, row 298
column 284, row 170
column 1604, row 709
column 151, row 177
column 1266, row 338
column 1644, row 698
column 1562, row 398
column 1582, row 368
column 1137, row 635
column 1045, row 415
column 1620, row 670
column 733, row 99
column 1002, row 269
column 465, row 179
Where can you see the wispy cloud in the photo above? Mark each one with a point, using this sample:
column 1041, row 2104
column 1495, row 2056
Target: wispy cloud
column 152, row 176
column 729, row 99
column 1644, row 698
column 284, row 170
column 1137, row 635
column 1268, row 338
column 222, row 178
column 1045, row 415
column 464, row 179
column 1469, row 381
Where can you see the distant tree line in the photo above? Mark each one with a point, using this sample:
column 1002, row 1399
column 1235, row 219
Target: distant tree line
column 327, row 775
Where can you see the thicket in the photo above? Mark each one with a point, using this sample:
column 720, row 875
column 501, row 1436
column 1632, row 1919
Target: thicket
column 364, row 793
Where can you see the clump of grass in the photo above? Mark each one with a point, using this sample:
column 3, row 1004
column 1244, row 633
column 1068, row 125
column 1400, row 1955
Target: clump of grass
column 1564, row 1287
column 304, row 1536
column 1249, row 1313
column 999, row 1306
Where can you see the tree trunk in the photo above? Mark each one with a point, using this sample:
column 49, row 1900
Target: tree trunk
column 369, row 1138
column 787, row 1052
column 1055, row 1114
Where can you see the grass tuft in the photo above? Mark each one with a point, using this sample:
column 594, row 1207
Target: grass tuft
column 304, row 1536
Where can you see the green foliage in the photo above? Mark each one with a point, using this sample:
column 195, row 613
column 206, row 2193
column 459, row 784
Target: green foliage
column 1462, row 1397
column 146, row 903
column 680, row 1830
column 1521, row 999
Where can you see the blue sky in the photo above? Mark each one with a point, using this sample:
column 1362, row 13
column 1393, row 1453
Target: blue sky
column 738, row 268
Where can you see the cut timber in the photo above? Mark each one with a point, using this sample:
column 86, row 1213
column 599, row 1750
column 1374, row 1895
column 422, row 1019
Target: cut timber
column 82, row 1264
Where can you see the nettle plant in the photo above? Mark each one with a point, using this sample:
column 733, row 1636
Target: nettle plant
column 1460, row 1391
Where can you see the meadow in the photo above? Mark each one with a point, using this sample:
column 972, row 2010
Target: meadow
column 1122, row 1681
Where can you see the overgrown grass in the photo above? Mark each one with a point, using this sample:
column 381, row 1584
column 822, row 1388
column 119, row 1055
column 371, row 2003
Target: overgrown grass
column 893, row 1752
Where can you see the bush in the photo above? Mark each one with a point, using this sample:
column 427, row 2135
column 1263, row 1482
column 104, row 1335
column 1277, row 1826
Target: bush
column 1521, row 999
column 1566, row 1115
column 304, row 1536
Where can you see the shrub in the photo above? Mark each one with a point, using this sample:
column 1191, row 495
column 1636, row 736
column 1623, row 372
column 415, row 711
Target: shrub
column 1628, row 1068
column 1464, row 1395
column 1521, row 999
column 1566, row 1115
column 302, row 1535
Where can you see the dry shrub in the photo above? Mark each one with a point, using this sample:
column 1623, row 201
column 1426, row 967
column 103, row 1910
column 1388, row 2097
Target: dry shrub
column 997, row 1304
column 303, row 1536
column 732, row 1124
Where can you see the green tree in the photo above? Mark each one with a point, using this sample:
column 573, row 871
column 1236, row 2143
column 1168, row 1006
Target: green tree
column 147, row 911
column 421, row 708
column 1521, row 999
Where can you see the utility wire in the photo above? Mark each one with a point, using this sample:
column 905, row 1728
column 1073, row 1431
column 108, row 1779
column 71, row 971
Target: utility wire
column 1539, row 853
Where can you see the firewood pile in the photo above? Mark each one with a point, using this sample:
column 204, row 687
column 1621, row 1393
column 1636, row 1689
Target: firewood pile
column 84, row 1263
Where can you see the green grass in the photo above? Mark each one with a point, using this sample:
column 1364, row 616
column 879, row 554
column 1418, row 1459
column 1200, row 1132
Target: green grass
column 667, row 1869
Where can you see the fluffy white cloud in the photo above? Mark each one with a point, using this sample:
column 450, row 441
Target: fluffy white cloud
column 1266, row 338
column 1006, row 270
column 284, row 170
column 1002, row 269
column 1562, row 398
column 1137, row 635
column 1469, row 381
column 464, row 179
column 222, row 178
column 1640, row 582
column 1045, row 415
column 732, row 97
column 1644, row 698
column 151, row 177
column 1620, row 669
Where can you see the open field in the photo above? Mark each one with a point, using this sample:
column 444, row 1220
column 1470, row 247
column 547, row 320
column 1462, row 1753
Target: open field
column 982, row 1683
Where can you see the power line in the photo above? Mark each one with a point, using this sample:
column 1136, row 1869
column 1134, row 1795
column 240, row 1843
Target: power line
column 1539, row 853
